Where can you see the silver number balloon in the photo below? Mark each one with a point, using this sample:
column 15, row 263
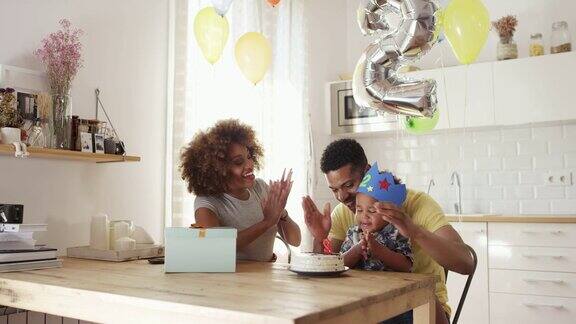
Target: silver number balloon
column 376, row 83
column 221, row 6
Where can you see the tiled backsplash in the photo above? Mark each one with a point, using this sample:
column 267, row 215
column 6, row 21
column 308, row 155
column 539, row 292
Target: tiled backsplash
column 503, row 170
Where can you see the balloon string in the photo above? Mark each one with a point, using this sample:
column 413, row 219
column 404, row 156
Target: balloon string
column 465, row 109
column 260, row 17
column 444, row 84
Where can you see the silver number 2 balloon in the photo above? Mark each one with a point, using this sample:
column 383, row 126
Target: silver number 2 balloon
column 376, row 84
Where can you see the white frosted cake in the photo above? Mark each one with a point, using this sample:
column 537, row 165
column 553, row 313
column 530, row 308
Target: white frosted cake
column 316, row 262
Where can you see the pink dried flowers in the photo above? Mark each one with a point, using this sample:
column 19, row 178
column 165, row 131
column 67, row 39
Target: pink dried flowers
column 61, row 53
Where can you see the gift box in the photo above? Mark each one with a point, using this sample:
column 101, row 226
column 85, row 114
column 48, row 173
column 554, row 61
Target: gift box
column 200, row 249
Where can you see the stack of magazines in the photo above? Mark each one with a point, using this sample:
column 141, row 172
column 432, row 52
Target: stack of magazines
column 19, row 252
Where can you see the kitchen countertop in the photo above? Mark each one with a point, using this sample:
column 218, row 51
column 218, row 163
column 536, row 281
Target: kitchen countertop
column 258, row 292
column 506, row 218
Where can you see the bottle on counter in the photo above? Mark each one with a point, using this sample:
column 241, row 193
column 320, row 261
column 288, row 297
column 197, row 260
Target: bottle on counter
column 536, row 47
column 560, row 40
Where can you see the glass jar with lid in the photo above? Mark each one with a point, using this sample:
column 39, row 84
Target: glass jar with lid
column 536, row 47
column 560, row 40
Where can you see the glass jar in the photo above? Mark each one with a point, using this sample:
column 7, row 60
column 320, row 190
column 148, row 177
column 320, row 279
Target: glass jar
column 61, row 108
column 506, row 50
column 536, row 47
column 560, row 40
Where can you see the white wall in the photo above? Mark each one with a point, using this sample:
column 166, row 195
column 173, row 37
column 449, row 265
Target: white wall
column 503, row 169
column 327, row 48
column 125, row 54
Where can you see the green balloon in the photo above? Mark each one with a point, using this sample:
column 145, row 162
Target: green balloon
column 421, row 125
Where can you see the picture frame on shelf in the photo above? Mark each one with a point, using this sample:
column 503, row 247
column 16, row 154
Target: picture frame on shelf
column 99, row 143
column 86, row 142
column 27, row 104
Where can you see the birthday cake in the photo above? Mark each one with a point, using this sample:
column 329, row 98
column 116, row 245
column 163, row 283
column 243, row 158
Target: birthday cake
column 316, row 262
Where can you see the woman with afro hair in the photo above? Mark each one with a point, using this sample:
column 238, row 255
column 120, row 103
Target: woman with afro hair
column 218, row 166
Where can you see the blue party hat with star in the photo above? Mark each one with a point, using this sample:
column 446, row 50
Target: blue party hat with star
column 381, row 186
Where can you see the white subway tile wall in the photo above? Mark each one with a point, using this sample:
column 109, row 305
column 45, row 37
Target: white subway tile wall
column 503, row 170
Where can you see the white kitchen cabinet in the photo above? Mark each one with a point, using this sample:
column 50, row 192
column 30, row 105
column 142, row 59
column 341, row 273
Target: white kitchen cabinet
column 511, row 92
column 527, row 309
column 506, row 93
column 536, row 89
column 465, row 95
column 526, row 273
column 476, row 307
column 561, row 284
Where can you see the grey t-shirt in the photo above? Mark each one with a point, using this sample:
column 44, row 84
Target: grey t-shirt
column 241, row 214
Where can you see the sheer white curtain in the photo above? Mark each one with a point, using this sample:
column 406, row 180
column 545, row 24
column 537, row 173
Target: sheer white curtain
column 276, row 108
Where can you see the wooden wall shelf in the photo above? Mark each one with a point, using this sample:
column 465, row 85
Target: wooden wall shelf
column 44, row 153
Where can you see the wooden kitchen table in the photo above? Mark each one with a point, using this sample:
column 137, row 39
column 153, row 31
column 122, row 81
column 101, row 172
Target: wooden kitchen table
column 138, row 292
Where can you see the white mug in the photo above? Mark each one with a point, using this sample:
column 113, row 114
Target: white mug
column 10, row 135
column 119, row 229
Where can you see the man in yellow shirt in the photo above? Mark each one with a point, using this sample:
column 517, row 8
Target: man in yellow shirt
column 435, row 244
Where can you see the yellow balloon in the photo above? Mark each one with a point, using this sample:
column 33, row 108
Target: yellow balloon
column 211, row 31
column 253, row 56
column 466, row 26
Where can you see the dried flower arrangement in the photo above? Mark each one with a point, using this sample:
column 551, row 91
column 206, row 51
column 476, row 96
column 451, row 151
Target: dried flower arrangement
column 9, row 116
column 61, row 53
column 44, row 103
column 505, row 27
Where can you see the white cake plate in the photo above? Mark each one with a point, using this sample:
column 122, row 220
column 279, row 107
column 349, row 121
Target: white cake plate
column 318, row 273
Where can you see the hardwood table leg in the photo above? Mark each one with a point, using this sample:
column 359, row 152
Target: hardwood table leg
column 426, row 314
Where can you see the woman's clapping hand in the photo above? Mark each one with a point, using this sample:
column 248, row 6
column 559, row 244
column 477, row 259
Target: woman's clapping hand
column 274, row 204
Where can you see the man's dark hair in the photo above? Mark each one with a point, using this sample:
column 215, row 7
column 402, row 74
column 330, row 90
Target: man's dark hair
column 341, row 153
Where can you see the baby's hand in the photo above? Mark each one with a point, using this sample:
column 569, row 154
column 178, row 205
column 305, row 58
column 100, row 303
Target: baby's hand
column 363, row 247
column 371, row 242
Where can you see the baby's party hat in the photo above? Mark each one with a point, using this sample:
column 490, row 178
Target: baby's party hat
column 381, row 186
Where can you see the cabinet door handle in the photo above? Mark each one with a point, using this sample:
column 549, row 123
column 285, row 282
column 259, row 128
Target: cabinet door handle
column 479, row 231
column 556, row 281
column 542, row 256
column 543, row 305
column 555, row 232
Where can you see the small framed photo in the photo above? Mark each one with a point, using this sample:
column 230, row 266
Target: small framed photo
column 86, row 142
column 27, row 105
column 99, row 143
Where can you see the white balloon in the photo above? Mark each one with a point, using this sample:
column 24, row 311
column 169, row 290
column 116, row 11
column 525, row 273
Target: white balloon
column 221, row 6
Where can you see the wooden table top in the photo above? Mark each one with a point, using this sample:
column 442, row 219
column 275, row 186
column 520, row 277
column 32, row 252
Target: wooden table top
column 257, row 292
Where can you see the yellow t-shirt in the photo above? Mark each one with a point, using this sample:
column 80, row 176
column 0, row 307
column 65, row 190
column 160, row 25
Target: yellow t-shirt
column 426, row 213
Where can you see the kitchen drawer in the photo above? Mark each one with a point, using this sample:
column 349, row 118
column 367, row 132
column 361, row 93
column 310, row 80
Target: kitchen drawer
column 544, row 235
column 508, row 309
column 532, row 258
column 557, row 284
